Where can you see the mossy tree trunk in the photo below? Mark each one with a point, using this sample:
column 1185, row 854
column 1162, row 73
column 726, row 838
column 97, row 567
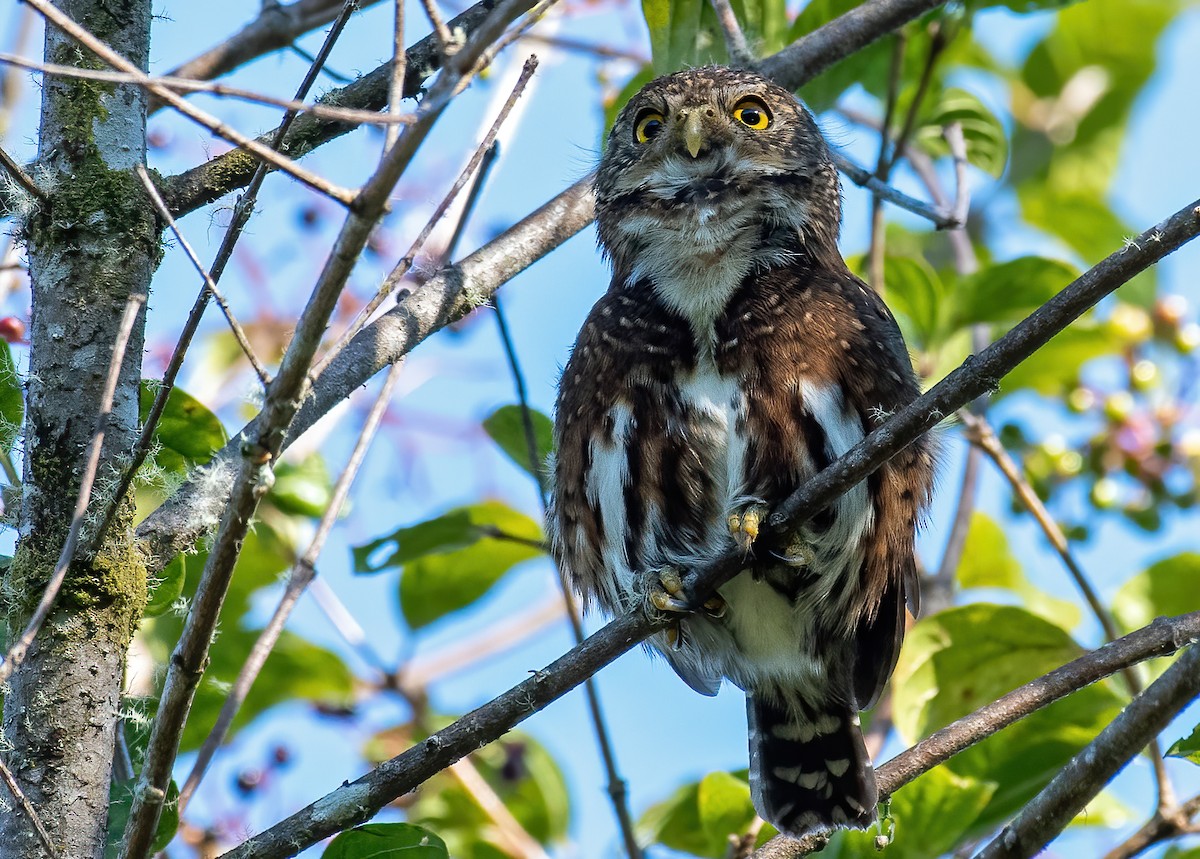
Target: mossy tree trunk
column 92, row 245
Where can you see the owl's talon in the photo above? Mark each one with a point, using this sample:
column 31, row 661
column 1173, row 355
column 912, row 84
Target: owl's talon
column 714, row 607
column 666, row 592
column 744, row 524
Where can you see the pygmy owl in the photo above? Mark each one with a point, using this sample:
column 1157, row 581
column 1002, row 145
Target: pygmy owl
column 733, row 357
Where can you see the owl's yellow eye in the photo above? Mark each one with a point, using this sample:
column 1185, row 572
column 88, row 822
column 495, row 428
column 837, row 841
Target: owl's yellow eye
column 752, row 113
column 648, row 126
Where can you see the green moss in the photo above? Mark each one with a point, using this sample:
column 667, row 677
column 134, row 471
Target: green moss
column 78, row 103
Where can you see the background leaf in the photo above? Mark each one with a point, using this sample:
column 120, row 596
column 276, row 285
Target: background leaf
column 1187, row 747
column 386, row 841
column 12, row 399
column 506, row 427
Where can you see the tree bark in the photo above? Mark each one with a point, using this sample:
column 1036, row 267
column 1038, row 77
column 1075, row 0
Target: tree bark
column 92, row 245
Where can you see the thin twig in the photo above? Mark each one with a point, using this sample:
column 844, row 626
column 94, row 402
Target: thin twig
column 277, row 26
column 358, row 801
column 301, row 574
column 259, row 452
column 399, row 67
column 1161, row 827
column 735, row 40
column 18, row 174
column 883, row 164
column 347, row 627
column 980, row 432
column 962, row 188
column 30, row 812
column 520, row 844
column 617, row 789
column 864, row 179
column 239, row 333
column 441, row 31
column 1161, row 638
column 241, row 216
column 1048, row 813
column 332, row 113
column 216, row 126
column 405, row 264
column 16, row 653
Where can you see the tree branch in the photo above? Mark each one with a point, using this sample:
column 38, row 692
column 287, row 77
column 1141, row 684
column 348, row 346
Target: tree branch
column 190, row 512
column 1048, row 813
column 358, row 801
column 1161, row 638
column 213, row 179
column 276, row 27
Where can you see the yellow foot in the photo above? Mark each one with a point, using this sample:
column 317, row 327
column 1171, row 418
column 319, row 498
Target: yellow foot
column 744, row 524
column 799, row 552
column 666, row 592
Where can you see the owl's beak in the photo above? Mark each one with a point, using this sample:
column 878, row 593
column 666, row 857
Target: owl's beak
column 693, row 133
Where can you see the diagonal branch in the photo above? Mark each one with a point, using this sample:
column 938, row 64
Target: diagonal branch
column 213, row 179
column 255, row 471
column 1161, row 638
column 450, row 295
column 259, row 150
column 1048, row 813
column 276, row 27
column 360, row 800
column 794, row 66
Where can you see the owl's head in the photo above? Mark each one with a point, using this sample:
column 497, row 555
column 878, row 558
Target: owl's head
column 709, row 148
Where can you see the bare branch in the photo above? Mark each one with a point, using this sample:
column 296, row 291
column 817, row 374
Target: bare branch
column 299, row 577
column 16, row 653
column 735, row 40
column 862, row 177
column 812, row 54
column 277, row 26
column 399, row 67
column 405, row 264
column 258, row 149
column 1161, row 638
column 215, row 178
column 18, row 175
column 332, row 113
column 260, row 451
column 519, row 843
column 440, row 30
column 358, row 801
column 241, row 216
column 238, row 333
column 1048, row 813
column 1165, row 824
column 30, row 812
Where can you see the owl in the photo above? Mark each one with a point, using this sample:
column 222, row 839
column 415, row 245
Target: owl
column 733, row 357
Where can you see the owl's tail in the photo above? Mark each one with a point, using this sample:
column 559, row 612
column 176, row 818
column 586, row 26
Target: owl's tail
column 809, row 769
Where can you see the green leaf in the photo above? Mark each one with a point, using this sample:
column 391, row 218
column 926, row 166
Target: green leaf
column 1187, row 747
column 685, row 33
column 932, row 815
column 392, row 840
column 1169, row 587
column 987, row 145
column 915, row 294
column 678, row 822
column 168, row 588
column 120, row 802
column 868, row 67
column 1054, row 369
column 453, row 560
column 988, row 562
column 1007, row 292
column 960, row 659
column 506, row 426
column 296, row 670
column 187, row 434
column 304, row 488
column 12, row 399
column 518, row 768
column 724, row 806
